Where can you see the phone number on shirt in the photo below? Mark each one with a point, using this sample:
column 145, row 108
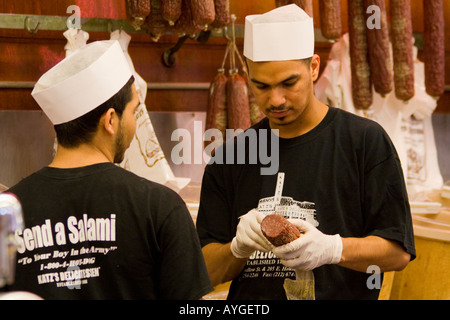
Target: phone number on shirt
column 66, row 264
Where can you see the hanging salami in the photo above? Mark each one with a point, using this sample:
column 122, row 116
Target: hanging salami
column 216, row 113
column 402, row 47
column 434, row 47
column 306, row 5
column 203, row 13
column 185, row 24
column 256, row 114
column 237, row 102
column 360, row 68
column 222, row 17
column 157, row 26
column 137, row 12
column 330, row 18
column 379, row 50
column 280, row 3
column 171, row 10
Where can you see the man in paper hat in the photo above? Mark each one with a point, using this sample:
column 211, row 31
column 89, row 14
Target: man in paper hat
column 339, row 181
column 94, row 230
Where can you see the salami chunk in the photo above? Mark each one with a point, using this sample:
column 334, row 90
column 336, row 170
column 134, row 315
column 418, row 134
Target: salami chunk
column 278, row 230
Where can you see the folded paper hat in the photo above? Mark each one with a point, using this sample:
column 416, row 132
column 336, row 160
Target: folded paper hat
column 285, row 33
column 83, row 81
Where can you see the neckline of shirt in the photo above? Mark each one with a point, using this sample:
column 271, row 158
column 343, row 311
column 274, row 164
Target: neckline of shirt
column 312, row 134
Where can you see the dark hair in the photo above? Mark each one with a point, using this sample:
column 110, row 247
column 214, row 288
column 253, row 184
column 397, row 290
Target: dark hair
column 81, row 130
column 307, row 61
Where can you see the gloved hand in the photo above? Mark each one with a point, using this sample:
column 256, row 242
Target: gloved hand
column 249, row 236
column 313, row 249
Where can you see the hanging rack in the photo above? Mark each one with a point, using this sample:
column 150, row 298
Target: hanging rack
column 35, row 23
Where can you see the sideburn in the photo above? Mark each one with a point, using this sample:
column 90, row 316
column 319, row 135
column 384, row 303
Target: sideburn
column 119, row 145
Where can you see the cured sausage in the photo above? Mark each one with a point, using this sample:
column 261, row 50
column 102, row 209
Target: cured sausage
column 216, row 113
column 330, row 18
column 203, row 13
column 280, row 3
column 171, row 10
column 402, row 48
column 306, row 5
column 379, row 50
column 256, row 114
column 137, row 12
column 434, row 47
column 278, row 230
column 359, row 62
column 222, row 9
column 237, row 102
column 185, row 24
column 157, row 26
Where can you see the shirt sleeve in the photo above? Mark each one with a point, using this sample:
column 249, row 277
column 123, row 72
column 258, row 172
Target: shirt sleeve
column 385, row 199
column 214, row 219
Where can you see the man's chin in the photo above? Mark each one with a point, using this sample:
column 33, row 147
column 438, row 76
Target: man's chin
column 285, row 121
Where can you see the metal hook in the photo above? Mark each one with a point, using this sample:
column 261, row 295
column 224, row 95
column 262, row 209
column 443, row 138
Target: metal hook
column 109, row 27
column 168, row 57
column 225, row 33
column 28, row 28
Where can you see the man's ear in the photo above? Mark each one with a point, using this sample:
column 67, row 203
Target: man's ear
column 315, row 67
column 108, row 121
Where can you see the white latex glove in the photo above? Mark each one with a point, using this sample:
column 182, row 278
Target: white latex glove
column 313, row 249
column 249, row 236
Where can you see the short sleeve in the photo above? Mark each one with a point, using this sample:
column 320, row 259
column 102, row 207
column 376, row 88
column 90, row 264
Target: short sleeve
column 385, row 199
column 215, row 211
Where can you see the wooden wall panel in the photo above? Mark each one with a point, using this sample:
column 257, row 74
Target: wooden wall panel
column 24, row 57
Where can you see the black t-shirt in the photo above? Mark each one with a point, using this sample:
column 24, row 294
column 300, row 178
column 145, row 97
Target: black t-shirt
column 101, row 232
column 344, row 176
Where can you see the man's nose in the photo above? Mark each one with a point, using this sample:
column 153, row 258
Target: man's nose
column 277, row 97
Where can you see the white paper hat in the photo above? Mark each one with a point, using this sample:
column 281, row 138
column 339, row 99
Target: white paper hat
column 83, row 81
column 285, row 33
